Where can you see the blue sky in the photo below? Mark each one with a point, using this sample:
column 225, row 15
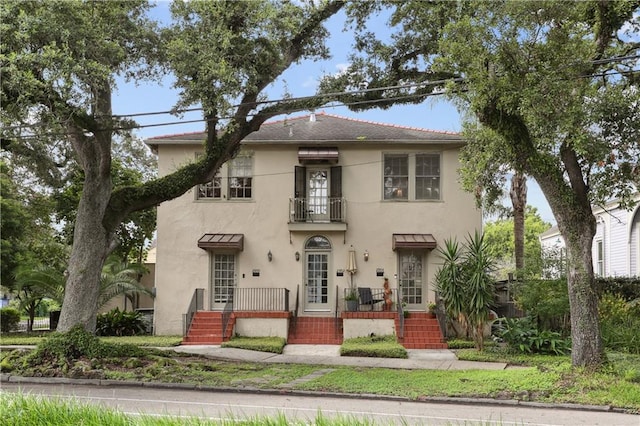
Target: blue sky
column 301, row 80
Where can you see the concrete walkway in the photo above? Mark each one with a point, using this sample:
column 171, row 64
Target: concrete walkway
column 427, row 359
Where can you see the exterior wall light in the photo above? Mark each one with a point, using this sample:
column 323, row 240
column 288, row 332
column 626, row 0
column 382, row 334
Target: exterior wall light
column 366, row 256
column 297, row 256
column 270, row 256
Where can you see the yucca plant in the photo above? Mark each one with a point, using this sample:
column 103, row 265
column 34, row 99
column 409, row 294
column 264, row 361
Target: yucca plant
column 465, row 285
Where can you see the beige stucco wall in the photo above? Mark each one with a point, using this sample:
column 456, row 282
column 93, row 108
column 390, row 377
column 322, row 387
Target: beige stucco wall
column 182, row 267
column 357, row 327
column 262, row 327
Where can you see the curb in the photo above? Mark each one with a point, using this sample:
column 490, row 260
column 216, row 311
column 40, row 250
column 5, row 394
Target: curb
column 9, row 378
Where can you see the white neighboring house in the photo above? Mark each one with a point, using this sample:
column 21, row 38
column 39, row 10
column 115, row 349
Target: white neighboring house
column 616, row 245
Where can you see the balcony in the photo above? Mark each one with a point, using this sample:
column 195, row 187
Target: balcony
column 318, row 214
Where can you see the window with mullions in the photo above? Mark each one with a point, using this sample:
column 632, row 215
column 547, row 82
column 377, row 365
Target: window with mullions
column 427, row 177
column 240, row 177
column 211, row 190
column 411, row 177
column 396, row 177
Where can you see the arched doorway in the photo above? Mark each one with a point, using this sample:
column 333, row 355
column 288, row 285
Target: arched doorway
column 317, row 284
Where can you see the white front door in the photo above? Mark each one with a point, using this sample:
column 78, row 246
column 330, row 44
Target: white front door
column 223, row 280
column 410, row 279
column 317, row 278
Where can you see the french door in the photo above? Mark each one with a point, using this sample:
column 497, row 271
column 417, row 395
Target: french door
column 410, row 279
column 316, row 279
column 223, row 280
column 318, row 194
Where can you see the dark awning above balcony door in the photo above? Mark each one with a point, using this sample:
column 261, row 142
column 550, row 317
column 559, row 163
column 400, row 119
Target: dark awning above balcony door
column 233, row 242
column 414, row 241
column 322, row 155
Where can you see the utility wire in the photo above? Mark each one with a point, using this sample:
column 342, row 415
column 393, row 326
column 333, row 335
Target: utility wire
column 303, row 98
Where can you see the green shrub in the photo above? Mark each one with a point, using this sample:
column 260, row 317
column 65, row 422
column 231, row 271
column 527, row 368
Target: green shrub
column 619, row 323
column 466, row 344
column 9, row 319
column 547, row 301
column 63, row 348
column 521, row 334
column 461, row 344
column 120, row 323
column 263, row 344
column 373, row 346
column 626, row 287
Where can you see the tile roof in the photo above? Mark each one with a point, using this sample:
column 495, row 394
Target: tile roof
column 322, row 128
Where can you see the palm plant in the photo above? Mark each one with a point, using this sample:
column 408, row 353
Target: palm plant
column 120, row 277
column 464, row 284
column 35, row 283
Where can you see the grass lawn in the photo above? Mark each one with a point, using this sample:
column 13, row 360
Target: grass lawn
column 532, row 377
column 36, row 337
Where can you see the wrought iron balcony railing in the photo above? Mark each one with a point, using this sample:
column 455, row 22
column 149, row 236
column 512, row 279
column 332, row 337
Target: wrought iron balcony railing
column 317, row 209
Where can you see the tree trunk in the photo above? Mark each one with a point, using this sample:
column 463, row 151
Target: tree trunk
column 577, row 226
column 518, row 195
column 587, row 349
column 92, row 239
column 91, row 246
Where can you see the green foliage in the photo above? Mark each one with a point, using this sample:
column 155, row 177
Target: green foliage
column 263, row 344
column 500, row 243
column 373, row 346
column 619, row 323
column 120, row 323
column 545, row 300
column 120, row 277
column 502, row 60
column 627, row 287
column 522, row 335
column 9, row 319
column 222, row 54
column 135, row 230
column 465, row 285
column 62, row 349
column 465, row 344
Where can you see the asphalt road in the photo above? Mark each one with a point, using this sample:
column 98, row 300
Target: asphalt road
column 240, row 405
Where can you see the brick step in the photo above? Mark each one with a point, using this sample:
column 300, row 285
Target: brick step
column 206, row 329
column 422, row 329
column 315, row 331
column 197, row 325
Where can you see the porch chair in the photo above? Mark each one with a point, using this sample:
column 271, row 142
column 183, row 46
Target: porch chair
column 366, row 297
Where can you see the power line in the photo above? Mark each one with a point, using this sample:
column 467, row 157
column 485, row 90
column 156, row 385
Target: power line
column 304, row 98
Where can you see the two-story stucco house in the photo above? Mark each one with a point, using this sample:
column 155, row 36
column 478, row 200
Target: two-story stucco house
column 616, row 245
column 309, row 206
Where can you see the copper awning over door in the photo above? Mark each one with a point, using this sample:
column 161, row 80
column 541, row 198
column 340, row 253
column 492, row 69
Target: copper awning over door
column 318, row 155
column 413, row 241
column 222, row 241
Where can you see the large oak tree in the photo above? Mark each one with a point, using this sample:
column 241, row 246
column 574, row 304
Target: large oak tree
column 556, row 81
column 59, row 64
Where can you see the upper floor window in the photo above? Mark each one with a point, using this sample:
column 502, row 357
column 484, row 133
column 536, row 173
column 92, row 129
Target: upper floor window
column 411, row 177
column 240, row 177
column 210, row 190
column 239, row 182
